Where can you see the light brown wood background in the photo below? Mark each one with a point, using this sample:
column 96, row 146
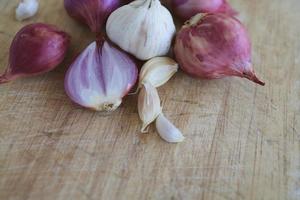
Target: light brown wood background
column 242, row 140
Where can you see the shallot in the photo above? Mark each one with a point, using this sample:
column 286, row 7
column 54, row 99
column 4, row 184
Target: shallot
column 36, row 49
column 214, row 46
column 91, row 12
column 100, row 77
column 186, row 9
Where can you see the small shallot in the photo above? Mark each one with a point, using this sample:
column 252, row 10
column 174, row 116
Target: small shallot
column 100, row 77
column 36, row 49
column 214, row 46
column 91, row 12
column 186, row 9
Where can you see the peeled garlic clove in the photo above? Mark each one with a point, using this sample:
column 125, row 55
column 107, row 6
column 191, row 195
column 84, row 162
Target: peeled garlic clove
column 158, row 71
column 100, row 77
column 143, row 28
column 26, row 9
column 148, row 105
column 167, row 130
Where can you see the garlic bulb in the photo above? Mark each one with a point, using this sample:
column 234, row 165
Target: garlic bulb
column 167, row 130
column 148, row 105
column 26, row 9
column 158, row 71
column 143, row 28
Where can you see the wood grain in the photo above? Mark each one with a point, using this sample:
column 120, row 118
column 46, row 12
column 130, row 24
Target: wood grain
column 242, row 140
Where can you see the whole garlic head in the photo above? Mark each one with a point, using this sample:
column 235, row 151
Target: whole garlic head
column 143, row 28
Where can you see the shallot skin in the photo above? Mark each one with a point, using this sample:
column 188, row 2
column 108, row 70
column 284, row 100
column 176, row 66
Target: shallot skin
column 186, row 9
column 93, row 13
column 36, row 49
column 213, row 46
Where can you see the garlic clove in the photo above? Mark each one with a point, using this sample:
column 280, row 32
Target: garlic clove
column 148, row 105
column 100, row 77
column 158, row 71
column 26, row 9
column 167, row 130
column 143, row 28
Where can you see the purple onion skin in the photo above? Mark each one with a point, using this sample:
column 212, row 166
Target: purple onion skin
column 186, row 9
column 36, row 49
column 93, row 13
column 215, row 46
column 100, row 77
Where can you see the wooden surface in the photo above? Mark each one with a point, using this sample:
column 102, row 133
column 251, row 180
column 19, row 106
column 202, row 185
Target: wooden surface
column 242, row 140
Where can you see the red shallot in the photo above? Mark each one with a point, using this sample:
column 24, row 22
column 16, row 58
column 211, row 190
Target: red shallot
column 91, row 12
column 26, row 9
column 100, row 77
column 214, row 46
column 186, row 9
column 36, row 49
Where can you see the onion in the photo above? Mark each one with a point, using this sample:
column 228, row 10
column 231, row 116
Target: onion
column 100, row 77
column 214, row 46
column 91, row 12
column 186, row 9
column 36, row 49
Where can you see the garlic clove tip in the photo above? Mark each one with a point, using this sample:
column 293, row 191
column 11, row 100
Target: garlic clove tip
column 100, row 77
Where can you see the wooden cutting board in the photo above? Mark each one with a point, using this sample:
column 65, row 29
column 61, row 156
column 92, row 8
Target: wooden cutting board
column 242, row 140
